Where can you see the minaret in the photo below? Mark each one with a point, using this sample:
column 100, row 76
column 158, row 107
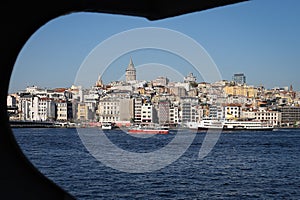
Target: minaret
column 130, row 72
column 291, row 88
column 99, row 82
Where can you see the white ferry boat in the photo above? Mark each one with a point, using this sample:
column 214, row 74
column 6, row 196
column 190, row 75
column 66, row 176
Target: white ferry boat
column 206, row 124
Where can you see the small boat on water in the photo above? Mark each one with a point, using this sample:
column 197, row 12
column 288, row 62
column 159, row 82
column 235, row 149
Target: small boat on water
column 148, row 129
column 106, row 126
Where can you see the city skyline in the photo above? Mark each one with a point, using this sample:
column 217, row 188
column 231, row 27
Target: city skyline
column 257, row 38
column 173, row 76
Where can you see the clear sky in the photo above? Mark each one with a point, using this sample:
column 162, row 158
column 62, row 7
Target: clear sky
column 259, row 38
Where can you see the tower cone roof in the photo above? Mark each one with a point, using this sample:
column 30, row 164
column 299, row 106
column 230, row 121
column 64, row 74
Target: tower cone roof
column 130, row 65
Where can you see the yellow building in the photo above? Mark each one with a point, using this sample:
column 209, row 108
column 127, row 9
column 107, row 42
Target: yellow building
column 82, row 112
column 243, row 90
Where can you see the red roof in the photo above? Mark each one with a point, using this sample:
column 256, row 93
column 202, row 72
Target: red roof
column 59, row 89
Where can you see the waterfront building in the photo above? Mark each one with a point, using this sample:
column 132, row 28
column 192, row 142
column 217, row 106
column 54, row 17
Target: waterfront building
column 126, row 110
column 34, row 108
column 138, row 102
column 239, row 78
column 187, row 110
column 91, row 101
column 203, row 111
column 38, row 109
column 164, row 112
column 77, row 93
column 263, row 114
column 45, row 109
column 195, row 115
column 148, row 113
column 115, row 110
column 64, row 110
column 215, row 111
column 11, row 101
column 232, row 111
column 130, row 72
column 174, row 115
column 12, row 108
column 290, row 115
column 84, row 113
column 109, row 109
column 24, row 105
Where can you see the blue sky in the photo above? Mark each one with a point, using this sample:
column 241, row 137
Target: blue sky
column 259, row 38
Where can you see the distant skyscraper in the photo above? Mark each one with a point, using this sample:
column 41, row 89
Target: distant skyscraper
column 239, row 78
column 130, row 72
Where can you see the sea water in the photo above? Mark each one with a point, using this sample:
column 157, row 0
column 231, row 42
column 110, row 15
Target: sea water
column 242, row 165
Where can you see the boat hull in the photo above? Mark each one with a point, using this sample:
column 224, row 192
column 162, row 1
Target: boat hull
column 106, row 128
column 235, row 129
column 146, row 131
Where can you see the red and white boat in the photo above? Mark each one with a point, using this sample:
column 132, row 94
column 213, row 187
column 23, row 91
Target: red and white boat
column 148, row 130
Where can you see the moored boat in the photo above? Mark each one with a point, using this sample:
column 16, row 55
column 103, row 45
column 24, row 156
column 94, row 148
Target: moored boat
column 148, row 130
column 254, row 125
column 106, row 126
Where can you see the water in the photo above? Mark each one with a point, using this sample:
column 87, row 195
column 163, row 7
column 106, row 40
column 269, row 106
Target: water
column 242, row 165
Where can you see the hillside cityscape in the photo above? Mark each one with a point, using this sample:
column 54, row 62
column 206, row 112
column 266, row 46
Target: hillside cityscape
column 158, row 101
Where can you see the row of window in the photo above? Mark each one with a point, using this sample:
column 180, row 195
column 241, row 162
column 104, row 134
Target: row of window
column 109, row 103
column 108, row 107
column 268, row 114
column 267, row 118
column 111, row 112
column 111, row 119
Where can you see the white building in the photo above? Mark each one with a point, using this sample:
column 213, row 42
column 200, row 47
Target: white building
column 160, row 81
column 147, row 113
column 35, row 90
column 91, row 100
column 138, row 102
column 63, row 110
column 190, row 78
column 232, row 111
column 34, row 108
column 216, row 111
column 11, row 101
column 46, row 109
column 186, row 86
column 188, row 112
column 270, row 116
column 109, row 109
column 24, row 107
column 174, row 115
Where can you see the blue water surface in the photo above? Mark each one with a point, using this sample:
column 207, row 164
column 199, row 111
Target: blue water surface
column 242, row 165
